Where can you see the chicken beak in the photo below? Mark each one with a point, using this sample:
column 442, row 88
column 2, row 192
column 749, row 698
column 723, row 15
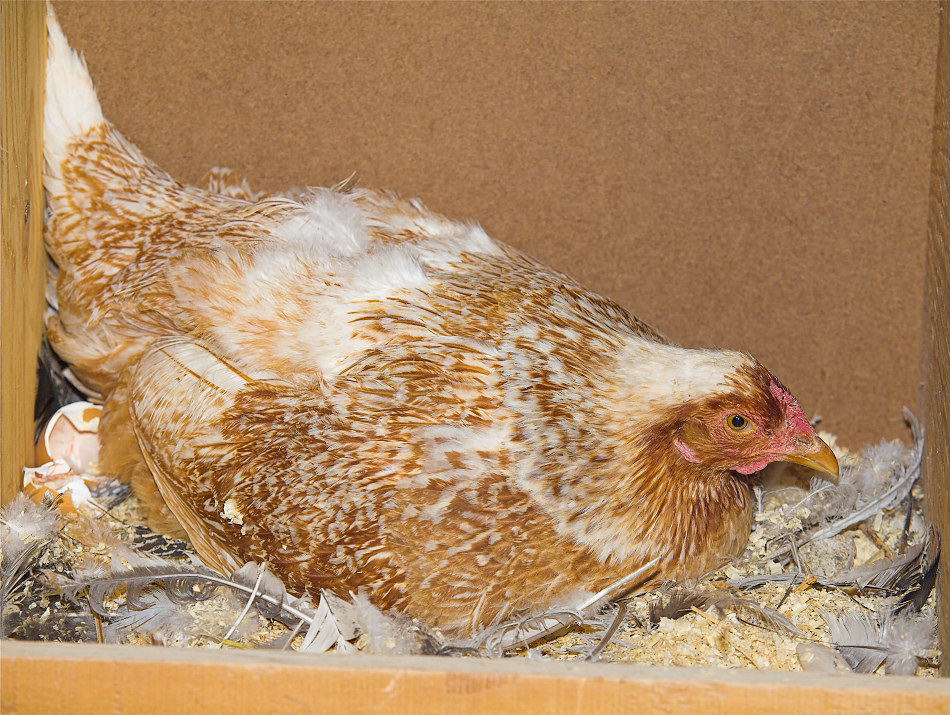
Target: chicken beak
column 817, row 456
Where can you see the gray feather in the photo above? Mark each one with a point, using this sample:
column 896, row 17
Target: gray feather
column 183, row 584
column 866, row 479
column 910, row 575
column 26, row 529
column 682, row 600
column 525, row 632
column 155, row 613
column 867, row 642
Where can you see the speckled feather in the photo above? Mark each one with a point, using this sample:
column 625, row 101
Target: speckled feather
column 369, row 396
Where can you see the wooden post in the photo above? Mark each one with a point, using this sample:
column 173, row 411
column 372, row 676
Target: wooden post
column 22, row 259
column 935, row 397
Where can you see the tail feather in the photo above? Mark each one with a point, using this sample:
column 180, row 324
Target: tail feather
column 72, row 108
column 113, row 224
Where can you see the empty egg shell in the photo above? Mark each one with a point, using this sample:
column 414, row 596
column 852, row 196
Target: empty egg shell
column 72, row 436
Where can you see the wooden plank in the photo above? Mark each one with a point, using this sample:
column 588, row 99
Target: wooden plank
column 41, row 678
column 22, row 258
column 935, row 393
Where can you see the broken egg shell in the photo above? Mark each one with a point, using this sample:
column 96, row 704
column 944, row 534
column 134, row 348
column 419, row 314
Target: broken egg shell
column 47, row 474
column 62, row 502
column 56, row 477
column 72, row 435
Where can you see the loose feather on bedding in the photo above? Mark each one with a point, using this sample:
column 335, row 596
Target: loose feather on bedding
column 896, row 640
column 619, row 615
column 910, row 575
column 679, row 601
column 676, row 604
column 155, row 613
column 99, row 536
column 820, row 658
column 25, row 528
column 384, row 634
column 878, row 481
column 183, row 584
column 525, row 632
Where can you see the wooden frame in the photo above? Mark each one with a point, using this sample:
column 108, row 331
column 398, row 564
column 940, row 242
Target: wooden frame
column 123, row 679
column 40, row 677
column 935, row 390
column 22, row 258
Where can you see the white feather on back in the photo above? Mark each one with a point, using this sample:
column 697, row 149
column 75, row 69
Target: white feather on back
column 330, row 225
column 288, row 305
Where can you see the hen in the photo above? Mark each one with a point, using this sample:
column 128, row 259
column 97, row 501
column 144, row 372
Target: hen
column 368, row 396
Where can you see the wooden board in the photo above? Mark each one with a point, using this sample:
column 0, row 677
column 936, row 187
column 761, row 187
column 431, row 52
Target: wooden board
column 22, row 258
column 38, row 678
column 935, row 369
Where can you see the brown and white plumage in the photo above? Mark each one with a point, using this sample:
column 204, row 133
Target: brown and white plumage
column 366, row 395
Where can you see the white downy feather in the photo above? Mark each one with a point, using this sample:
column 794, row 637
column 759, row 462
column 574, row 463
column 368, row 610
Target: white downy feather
column 880, row 479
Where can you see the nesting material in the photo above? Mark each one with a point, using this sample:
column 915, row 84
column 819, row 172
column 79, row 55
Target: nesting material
column 850, row 593
column 817, row 589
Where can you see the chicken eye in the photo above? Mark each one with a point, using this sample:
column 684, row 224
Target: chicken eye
column 737, row 423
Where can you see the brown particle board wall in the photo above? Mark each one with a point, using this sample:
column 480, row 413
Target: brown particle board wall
column 751, row 175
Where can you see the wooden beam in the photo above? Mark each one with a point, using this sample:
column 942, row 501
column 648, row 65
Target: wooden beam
column 935, row 358
column 71, row 678
column 22, row 258
column 935, row 355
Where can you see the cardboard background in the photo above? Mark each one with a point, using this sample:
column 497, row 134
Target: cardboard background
column 746, row 175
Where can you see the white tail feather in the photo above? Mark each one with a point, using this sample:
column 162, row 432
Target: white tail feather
column 72, row 108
